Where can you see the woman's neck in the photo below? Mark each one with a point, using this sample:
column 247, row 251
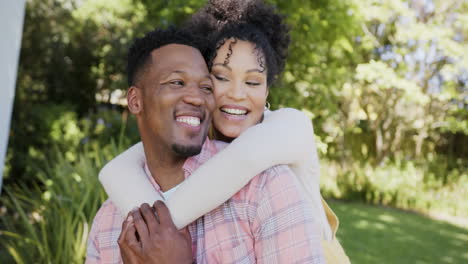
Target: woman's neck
column 219, row 136
column 215, row 134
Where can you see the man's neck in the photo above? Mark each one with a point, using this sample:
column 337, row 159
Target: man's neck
column 165, row 168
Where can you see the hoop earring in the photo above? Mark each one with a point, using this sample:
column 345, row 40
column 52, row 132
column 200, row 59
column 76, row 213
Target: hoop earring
column 267, row 106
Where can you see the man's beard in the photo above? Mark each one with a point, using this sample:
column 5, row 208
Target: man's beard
column 186, row 151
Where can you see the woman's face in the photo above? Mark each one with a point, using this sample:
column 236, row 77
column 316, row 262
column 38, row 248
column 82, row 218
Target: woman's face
column 240, row 88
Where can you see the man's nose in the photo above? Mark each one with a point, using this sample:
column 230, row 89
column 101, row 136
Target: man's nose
column 194, row 95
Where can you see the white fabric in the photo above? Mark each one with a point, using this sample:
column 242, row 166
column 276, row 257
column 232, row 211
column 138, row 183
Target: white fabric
column 169, row 192
column 166, row 194
column 284, row 137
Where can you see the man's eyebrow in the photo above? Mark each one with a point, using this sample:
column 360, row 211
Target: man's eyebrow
column 207, row 76
column 224, row 65
column 169, row 73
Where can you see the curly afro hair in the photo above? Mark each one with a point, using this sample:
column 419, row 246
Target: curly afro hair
column 140, row 50
column 247, row 20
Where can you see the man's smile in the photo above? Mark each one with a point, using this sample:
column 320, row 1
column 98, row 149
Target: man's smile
column 192, row 119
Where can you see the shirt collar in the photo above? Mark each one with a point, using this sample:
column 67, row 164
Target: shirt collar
column 190, row 164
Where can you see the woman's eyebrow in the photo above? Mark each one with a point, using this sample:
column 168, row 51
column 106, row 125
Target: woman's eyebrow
column 255, row 70
column 223, row 65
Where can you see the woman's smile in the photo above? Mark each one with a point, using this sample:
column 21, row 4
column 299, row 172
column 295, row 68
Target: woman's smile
column 234, row 112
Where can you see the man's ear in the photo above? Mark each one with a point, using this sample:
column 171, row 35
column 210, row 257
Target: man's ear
column 134, row 99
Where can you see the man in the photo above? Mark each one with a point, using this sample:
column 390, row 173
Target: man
column 171, row 95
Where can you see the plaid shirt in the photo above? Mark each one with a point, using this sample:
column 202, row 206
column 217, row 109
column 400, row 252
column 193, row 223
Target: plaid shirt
column 265, row 222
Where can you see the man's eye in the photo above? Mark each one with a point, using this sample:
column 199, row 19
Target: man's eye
column 220, row 78
column 178, row 83
column 207, row 88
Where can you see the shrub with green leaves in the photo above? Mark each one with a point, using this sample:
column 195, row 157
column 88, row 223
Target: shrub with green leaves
column 432, row 187
column 50, row 221
column 43, row 127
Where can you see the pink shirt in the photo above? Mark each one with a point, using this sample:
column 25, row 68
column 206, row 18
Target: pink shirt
column 267, row 221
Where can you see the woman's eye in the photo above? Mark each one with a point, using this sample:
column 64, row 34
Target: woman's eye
column 220, row 78
column 252, row 83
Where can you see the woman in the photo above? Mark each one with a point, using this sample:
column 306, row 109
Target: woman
column 251, row 43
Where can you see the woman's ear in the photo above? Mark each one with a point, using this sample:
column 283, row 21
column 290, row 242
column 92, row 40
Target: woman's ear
column 134, row 99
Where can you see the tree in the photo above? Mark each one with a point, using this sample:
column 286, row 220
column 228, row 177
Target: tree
column 415, row 80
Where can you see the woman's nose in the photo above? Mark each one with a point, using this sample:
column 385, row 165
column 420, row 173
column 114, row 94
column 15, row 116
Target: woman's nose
column 237, row 91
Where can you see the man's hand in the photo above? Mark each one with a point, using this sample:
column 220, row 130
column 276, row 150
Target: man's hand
column 146, row 238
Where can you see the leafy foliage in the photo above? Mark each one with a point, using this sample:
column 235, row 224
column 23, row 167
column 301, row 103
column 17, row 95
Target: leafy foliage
column 49, row 222
column 58, row 126
column 402, row 185
column 381, row 80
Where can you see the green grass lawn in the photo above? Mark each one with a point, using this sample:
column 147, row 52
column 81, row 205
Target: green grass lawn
column 372, row 234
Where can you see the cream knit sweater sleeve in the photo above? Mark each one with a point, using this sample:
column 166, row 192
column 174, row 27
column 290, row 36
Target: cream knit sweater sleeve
column 284, row 137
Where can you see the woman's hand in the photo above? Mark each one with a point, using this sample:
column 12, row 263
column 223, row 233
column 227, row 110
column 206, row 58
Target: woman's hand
column 147, row 238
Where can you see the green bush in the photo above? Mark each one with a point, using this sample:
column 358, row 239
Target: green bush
column 42, row 127
column 406, row 185
column 49, row 221
column 34, row 131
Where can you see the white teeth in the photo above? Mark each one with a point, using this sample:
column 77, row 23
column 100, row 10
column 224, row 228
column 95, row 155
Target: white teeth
column 190, row 120
column 234, row 111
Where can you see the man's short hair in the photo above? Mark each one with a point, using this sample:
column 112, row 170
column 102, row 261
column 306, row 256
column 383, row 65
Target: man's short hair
column 140, row 50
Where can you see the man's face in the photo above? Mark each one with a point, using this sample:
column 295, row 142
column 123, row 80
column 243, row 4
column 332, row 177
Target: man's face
column 176, row 99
